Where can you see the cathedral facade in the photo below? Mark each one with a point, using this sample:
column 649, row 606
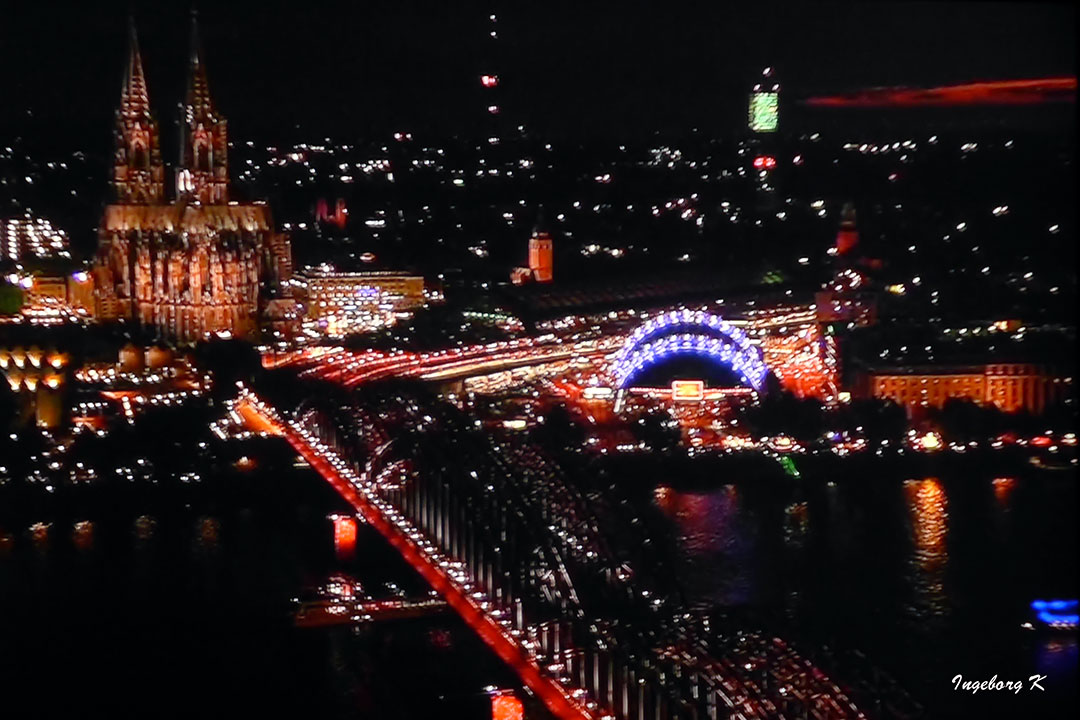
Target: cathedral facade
column 195, row 263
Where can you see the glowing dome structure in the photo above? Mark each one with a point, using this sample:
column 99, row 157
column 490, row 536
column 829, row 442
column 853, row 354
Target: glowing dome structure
column 687, row 332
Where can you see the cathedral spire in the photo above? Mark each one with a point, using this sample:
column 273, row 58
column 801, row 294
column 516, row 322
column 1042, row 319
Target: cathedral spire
column 138, row 174
column 134, row 98
column 204, row 148
column 198, row 91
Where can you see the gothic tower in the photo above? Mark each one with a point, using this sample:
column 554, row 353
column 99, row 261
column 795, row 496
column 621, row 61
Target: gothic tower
column 848, row 236
column 138, row 173
column 195, row 265
column 203, row 174
column 541, row 251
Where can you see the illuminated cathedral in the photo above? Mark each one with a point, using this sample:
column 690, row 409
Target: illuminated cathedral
column 196, row 263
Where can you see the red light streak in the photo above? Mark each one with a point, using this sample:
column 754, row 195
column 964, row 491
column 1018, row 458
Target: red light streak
column 993, row 92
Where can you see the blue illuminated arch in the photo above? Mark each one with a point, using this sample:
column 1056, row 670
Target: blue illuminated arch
column 701, row 322
column 708, row 336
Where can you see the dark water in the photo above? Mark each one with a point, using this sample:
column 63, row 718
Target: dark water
column 930, row 577
column 158, row 600
column 155, row 599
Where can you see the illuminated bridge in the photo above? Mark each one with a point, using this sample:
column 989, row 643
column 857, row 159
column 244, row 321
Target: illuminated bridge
column 527, row 561
column 802, row 360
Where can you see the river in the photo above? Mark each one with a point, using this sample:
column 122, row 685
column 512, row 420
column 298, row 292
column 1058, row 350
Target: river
column 930, row 577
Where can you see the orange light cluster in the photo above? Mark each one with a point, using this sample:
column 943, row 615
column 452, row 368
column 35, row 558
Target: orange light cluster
column 344, row 535
column 692, row 390
column 507, row 707
column 803, row 362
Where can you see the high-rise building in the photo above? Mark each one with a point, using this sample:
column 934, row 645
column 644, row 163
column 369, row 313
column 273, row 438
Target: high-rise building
column 195, row 264
column 764, row 111
column 762, row 123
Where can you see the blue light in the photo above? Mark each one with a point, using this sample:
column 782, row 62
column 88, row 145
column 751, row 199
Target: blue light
column 747, row 364
column 1054, row 605
column 732, row 347
column 1053, row 619
column 1057, row 613
column 701, row 321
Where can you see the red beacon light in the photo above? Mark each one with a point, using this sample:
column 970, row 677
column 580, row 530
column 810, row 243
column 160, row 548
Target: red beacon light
column 489, row 81
column 764, row 162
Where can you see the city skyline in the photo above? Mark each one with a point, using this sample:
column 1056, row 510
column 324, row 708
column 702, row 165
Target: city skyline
column 582, row 363
column 352, row 70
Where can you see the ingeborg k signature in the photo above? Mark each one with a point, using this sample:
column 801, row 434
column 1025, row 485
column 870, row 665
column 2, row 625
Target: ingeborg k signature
column 996, row 685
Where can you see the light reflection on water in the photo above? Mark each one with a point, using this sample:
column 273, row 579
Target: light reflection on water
column 929, row 516
column 1057, row 656
column 82, row 535
column 796, row 524
column 1003, row 503
column 39, row 533
column 928, row 574
column 718, row 537
column 1003, row 490
column 207, row 531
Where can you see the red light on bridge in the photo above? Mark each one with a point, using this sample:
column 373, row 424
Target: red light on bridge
column 507, row 707
column 764, row 162
column 692, row 390
column 489, row 81
column 344, row 535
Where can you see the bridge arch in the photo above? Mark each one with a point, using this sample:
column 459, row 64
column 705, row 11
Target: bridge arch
column 688, row 332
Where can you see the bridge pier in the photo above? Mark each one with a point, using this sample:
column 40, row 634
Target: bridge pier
column 639, row 700
column 609, row 680
column 489, row 577
column 460, row 534
column 595, row 688
column 624, row 678
column 710, row 703
column 545, row 645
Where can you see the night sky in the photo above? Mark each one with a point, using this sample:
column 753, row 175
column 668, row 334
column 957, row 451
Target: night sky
column 349, row 69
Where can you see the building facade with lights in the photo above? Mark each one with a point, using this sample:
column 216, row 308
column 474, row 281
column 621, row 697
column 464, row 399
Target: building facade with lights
column 27, row 237
column 337, row 303
column 196, row 263
column 37, row 376
column 1011, row 387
